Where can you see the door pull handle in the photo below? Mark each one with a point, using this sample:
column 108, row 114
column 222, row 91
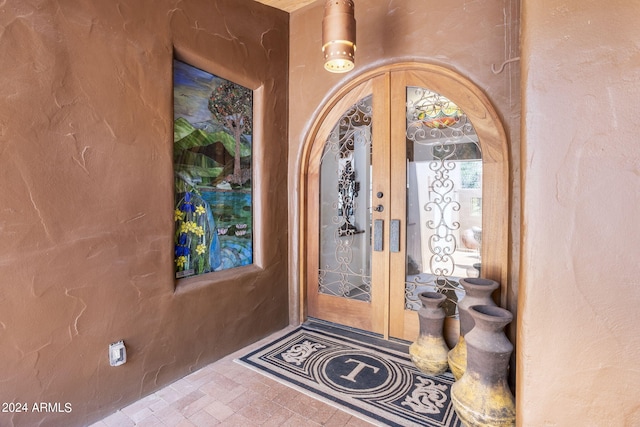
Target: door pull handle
column 378, row 232
column 394, row 238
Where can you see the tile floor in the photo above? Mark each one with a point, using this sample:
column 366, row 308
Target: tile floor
column 225, row 393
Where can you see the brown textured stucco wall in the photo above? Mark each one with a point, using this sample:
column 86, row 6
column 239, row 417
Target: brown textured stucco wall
column 86, row 198
column 467, row 37
column 580, row 286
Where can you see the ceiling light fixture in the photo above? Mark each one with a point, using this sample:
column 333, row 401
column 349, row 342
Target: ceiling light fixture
column 339, row 36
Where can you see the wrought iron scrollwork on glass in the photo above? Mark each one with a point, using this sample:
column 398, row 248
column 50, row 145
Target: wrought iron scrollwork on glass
column 348, row 189
column 441, row 143
column 344, row 217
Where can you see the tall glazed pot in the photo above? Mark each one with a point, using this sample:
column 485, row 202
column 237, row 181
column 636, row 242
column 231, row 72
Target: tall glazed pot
column 477, row 292
column 482, row 397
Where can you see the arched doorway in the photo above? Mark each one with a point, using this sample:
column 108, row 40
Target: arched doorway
column 405, row 189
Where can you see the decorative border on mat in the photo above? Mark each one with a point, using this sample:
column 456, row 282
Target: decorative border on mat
column 366, row 376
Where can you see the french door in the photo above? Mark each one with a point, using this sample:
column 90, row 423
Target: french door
column 394, row 202
column 345, row 275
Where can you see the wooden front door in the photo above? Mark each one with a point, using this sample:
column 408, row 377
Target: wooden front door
column 347, row 270
column 394, row 201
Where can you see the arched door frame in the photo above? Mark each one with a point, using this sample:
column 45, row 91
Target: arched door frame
column 495, row 159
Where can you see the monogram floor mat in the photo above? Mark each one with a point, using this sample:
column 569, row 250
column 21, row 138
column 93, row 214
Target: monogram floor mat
column 362, row 374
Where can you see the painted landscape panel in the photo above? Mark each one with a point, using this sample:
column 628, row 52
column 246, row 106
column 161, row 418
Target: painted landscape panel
column 212, row 138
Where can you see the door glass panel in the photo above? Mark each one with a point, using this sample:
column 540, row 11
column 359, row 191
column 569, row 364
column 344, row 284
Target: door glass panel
column 345, row 206
column 444, row 198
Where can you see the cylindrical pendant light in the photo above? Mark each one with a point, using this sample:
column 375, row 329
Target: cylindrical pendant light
column 339, row 36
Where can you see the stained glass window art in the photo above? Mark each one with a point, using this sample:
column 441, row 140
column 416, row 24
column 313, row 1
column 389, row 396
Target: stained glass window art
column 212, row 157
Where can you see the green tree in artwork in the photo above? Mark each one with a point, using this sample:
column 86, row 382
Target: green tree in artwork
column 232, row 105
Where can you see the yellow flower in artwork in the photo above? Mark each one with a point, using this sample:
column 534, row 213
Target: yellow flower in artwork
column 192, row 227
column 200, row 210
column 189, row 227
column 181, row 261
column 178, row 215
column 200, row 249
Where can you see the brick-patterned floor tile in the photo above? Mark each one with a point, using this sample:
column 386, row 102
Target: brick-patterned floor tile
column 227, row 394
